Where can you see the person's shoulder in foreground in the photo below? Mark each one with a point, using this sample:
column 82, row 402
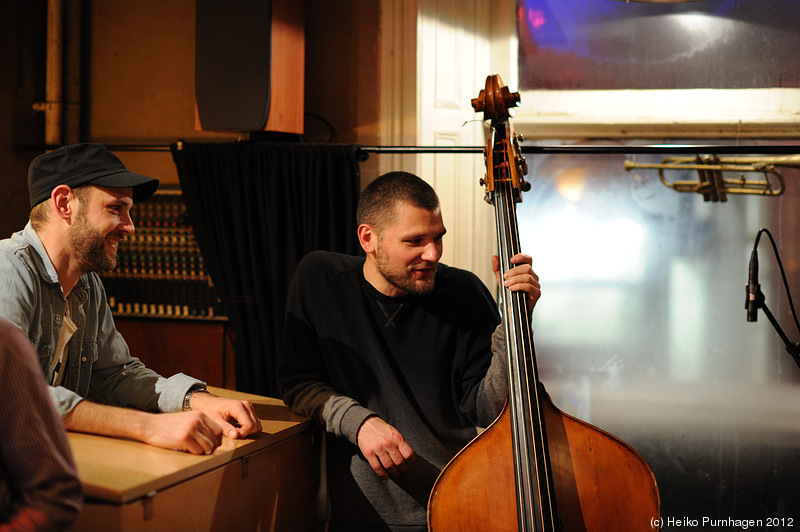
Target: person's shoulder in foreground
column 39, row 485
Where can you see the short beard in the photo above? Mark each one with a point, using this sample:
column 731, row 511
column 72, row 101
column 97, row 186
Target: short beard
column 402, row 279
column 89, row 246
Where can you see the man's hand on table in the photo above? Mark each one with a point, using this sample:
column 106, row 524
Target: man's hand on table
column 236, row 418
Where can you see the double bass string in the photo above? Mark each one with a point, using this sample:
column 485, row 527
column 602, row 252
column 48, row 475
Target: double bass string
column 522, row 465
column 536, row 508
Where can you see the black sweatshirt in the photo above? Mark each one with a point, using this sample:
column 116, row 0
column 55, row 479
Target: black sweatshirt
column 418, row 362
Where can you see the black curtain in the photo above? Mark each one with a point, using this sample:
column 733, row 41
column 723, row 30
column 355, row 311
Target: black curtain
column 256, row 209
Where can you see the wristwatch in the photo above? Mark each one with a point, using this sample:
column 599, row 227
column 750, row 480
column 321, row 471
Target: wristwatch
column 188, row 397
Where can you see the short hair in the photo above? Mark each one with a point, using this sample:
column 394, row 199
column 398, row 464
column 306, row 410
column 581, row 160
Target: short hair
column 376, row 206
column 39, row 216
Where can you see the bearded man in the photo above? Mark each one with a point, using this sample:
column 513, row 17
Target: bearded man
column 398, row 357
column 81, row 197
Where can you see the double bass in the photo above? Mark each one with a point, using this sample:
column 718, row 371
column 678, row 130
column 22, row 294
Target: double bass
column 534, row 468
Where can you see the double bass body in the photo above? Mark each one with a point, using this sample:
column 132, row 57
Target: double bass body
column 599, row 482
column 535, row 468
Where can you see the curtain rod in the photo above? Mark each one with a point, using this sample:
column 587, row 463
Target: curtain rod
column 599, row 149
column 562, row 149
column 544, row 149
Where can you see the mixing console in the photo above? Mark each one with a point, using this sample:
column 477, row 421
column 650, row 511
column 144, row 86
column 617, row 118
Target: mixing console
column 160, row 270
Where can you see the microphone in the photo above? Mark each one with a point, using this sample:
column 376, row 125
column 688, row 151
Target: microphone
column 753, row 288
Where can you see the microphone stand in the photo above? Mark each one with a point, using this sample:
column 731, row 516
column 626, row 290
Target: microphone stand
column 792, row 347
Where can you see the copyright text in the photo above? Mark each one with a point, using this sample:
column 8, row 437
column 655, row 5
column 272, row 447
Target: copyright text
column 667, row 523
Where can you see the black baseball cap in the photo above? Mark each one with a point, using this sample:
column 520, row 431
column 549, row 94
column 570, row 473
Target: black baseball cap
column 76, row 165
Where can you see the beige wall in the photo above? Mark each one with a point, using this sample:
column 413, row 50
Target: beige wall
column 342, row 53
column 141, row 82
column 138, row 83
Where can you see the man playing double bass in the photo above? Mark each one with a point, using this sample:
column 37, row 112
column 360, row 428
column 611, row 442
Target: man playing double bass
column 397, row 356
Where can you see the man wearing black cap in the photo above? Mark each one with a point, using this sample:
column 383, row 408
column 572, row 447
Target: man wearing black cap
column 81, row 197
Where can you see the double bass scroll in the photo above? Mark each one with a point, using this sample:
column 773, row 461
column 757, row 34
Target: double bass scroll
column 535, row 468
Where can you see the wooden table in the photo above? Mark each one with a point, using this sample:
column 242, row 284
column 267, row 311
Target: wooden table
column 269, row 481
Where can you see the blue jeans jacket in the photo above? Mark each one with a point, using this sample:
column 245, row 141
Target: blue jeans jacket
column 99, row 361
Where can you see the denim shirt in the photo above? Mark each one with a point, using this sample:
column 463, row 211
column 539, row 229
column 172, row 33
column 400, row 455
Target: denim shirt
column 99, row 362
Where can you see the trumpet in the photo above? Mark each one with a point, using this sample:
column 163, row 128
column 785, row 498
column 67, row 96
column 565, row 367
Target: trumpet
column 713, row 185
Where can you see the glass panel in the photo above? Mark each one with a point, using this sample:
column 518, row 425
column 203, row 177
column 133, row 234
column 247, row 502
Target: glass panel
column 606, row 44
column 641, row 329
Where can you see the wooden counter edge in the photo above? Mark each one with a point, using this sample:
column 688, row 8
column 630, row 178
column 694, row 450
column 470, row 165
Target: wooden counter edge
column 278, row 423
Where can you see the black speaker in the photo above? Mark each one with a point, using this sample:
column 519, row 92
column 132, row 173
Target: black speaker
column 233, row 63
